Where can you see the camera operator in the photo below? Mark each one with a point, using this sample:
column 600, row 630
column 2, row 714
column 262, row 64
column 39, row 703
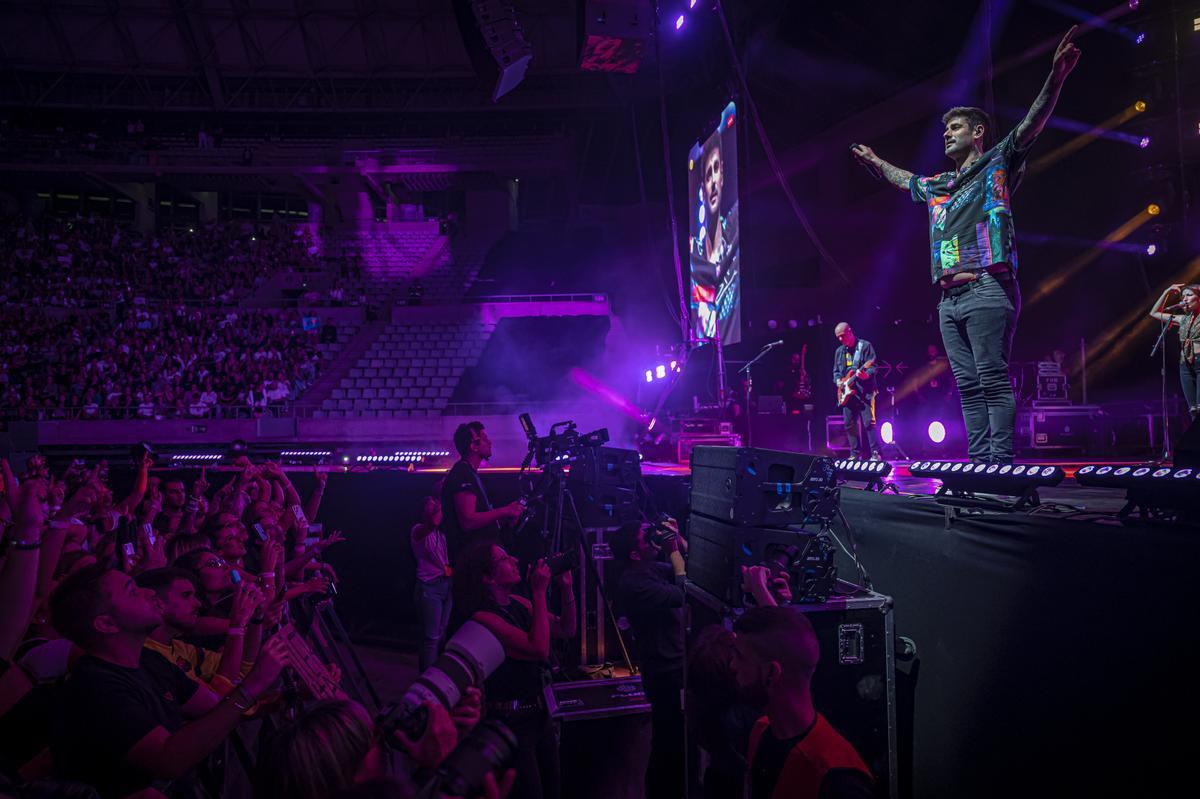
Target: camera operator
column 650, row 595
column 467, row 511
column 485, row 582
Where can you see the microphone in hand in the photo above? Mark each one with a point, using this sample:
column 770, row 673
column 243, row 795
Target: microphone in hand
column 1178, row 307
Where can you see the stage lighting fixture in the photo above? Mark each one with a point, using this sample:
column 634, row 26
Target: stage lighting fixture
column 873, row 473
column 692, row 4
column 1151, row 249
column 1139, row 106
column 178, row 458
column 1165, row 493
column 302, row 456
column 1133, row 4
column 649, row 376
column 660, row 371
column 887, row 433
column 1141, row 37
column 679, row 22
column 961, row 480
column 937, row 432
column 1144, row 142
column 1153, row 209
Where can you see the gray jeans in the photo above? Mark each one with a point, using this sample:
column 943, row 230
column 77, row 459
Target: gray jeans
column 978, row 321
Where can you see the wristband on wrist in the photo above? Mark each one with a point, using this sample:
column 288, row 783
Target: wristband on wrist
column 241, row 700
column 25, row 546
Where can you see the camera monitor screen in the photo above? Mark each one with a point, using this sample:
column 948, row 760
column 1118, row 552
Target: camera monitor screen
column 713, row 233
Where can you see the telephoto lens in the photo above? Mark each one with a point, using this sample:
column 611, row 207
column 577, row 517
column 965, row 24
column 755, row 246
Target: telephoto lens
column 471, row 655
column 491, row 747
column 567, row 561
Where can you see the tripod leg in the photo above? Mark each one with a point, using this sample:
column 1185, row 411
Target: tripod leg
column 330, row 619
column 594, row 573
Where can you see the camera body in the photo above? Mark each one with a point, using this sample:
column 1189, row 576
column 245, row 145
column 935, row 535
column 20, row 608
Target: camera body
column 564, row 442
column 566, row 561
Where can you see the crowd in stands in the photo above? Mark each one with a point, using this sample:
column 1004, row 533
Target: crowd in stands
column 100, row 323
column 86, row 262
column 152, row 364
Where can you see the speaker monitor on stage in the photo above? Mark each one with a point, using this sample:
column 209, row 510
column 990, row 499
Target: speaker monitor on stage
column 495, row 42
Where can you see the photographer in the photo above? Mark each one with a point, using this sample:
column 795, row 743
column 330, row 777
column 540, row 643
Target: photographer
column 468, row 513
column 485, row 582
column 650, row 595
column 336, row 745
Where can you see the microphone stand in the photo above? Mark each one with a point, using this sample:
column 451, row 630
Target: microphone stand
column 750, row 385
column 1158, row 345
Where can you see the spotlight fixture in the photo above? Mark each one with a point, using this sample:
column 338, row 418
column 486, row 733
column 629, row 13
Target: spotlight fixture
column 873, row 473
column 1141, row 37
column 679, row 22
column 1153, row 209
column 937, row 432
column 1144, row 142
column 887, row 433
column 1139, row 106
column 1162, row 493
column 1151, row 249
column 961, row 480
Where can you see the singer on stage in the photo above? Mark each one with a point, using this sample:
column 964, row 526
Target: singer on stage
column 974, row 256
column 1186, row 315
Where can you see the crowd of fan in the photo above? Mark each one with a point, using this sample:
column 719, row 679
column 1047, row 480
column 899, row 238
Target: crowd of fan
column 140, row 632
column 95, row 263
column 149, row 363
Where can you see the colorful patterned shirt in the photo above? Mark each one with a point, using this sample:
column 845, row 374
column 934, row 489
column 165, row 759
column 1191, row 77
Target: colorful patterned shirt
column 970, row 215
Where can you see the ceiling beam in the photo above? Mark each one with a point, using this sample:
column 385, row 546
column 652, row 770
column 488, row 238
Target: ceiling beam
column 198, row 40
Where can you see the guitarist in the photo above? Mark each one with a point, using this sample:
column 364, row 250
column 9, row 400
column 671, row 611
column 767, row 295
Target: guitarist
column 854, row 384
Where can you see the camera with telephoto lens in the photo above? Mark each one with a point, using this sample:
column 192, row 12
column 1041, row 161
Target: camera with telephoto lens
column 563, row 444
column 471, row 655
column 490, row 748
column 659, row 533
column 567, row 561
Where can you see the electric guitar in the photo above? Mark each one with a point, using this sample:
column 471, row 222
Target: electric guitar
column 802, row 388
column 846, row 386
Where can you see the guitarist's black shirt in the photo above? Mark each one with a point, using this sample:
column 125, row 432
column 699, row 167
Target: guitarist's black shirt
column 846, row 359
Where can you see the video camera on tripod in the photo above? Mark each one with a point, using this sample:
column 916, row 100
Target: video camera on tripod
column 562, row 445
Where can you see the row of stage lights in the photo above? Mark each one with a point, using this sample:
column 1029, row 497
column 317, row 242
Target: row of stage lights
column 871, row 468
column 1122, row 476
column 939, row 468
column 399, row 457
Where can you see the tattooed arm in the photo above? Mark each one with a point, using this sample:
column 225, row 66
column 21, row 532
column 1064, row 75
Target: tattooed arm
column 892, row 174
column 1065, row 59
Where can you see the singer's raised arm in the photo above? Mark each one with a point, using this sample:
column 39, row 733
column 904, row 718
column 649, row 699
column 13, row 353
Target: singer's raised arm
column 1156, row 310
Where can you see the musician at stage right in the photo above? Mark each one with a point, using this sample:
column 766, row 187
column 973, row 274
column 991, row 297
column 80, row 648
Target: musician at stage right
column 1185, row 314
column 854, row 385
